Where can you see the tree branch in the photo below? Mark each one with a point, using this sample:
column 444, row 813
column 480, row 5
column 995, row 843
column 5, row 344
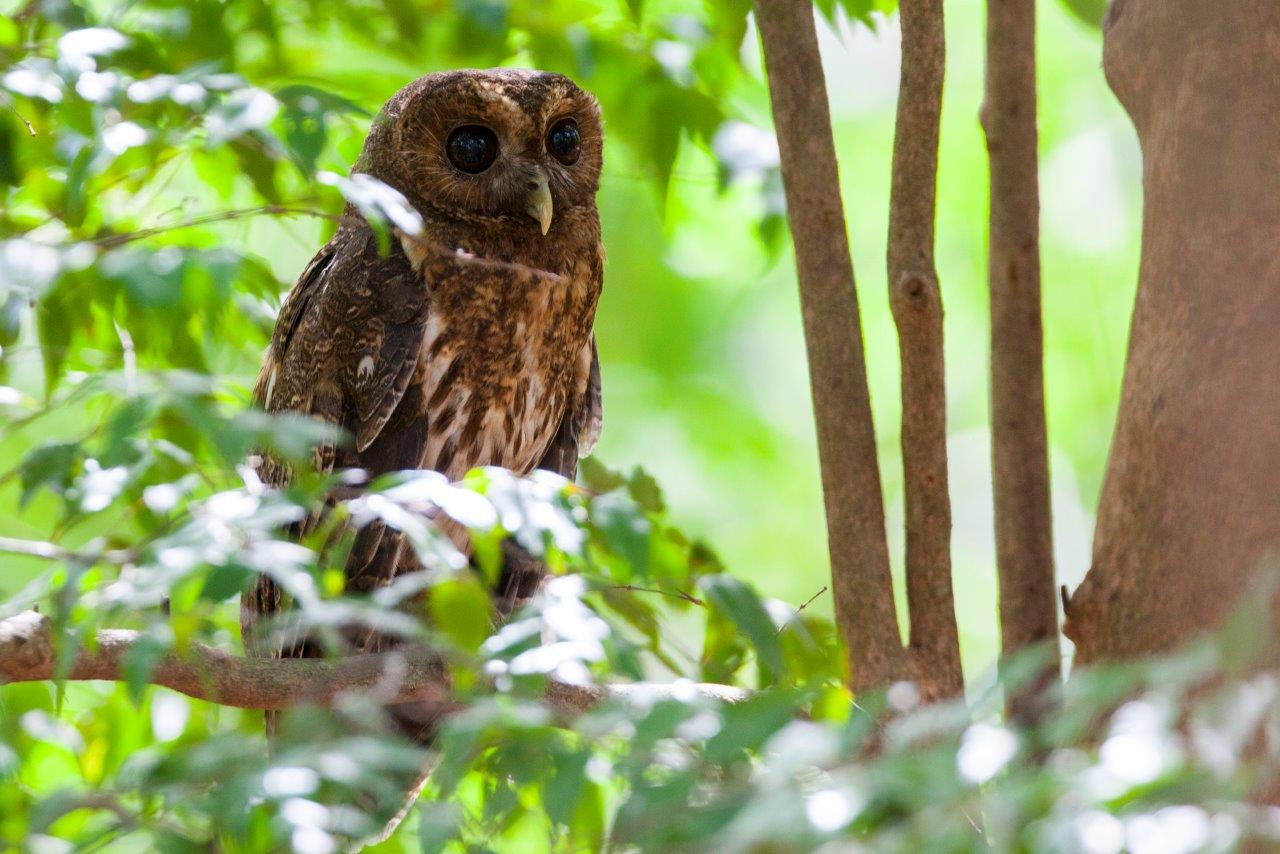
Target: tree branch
column 864, row 606
column 28, row 654
column 1020, row 459
column 916, row 300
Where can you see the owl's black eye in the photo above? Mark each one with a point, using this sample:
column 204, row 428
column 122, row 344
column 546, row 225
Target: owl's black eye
column 472, row 148
column 563, row 141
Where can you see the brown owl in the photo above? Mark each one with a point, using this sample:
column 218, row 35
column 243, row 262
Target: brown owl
column 472, row 344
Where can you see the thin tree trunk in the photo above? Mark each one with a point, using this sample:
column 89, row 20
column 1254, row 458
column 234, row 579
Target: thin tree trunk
column 916, row 299
column 1190, row 506
column 861, row 582
column 1024, row 534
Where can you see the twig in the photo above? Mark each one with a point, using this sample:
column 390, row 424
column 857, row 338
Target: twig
column 1020, row 458
column 8, row 99
column 806, row 604
column 916, row 299
column 52, row 551
column 115, row 240
column 674, row 594
column 28, row 654
column 860, row 579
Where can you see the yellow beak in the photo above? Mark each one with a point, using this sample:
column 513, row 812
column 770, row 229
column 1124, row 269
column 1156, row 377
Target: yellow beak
column 539, row 205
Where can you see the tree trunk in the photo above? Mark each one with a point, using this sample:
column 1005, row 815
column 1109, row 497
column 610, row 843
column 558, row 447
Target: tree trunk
column 916, row 299
column 1191, row 502
column 1019, row 445
column 861, row 583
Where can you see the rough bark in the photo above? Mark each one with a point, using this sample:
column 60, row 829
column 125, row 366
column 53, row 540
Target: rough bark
column 1190, row 504
column 916, row 300
column 1020, row 459
column 865, row 613
column 28, row 654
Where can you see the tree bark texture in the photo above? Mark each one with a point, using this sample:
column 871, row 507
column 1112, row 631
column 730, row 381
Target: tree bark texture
column 1020, row 458
column 864, row 605
column 916, row 299
column 1190, row 505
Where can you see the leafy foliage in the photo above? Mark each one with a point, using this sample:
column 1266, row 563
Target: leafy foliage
column 131, row 135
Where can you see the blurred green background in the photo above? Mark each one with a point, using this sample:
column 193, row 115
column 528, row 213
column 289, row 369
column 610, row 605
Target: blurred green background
column 699, row 327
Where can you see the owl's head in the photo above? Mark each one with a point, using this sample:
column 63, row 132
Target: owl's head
column 502, row 147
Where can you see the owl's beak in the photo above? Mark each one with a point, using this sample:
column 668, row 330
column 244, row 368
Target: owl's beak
column 538, row 204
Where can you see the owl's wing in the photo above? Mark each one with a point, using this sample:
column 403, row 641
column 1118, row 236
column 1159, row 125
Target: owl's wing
column 345, row 346
column 347, row 342
column 580, row 427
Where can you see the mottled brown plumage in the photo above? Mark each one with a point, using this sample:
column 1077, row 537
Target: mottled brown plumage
column 471, row 344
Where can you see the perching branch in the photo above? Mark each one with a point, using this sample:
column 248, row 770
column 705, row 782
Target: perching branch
column 1024, row 534
column 864, row 606
column 28, row 654
column 916, row 300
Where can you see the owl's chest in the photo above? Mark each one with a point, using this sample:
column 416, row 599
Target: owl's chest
column 497, row 376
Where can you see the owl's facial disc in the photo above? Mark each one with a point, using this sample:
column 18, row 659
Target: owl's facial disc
column 538, row 203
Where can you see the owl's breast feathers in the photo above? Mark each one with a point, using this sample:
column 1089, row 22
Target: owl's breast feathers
column 506, row 354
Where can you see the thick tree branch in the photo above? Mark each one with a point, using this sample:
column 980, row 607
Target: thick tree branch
column 28, row 654
column 916, row 299
column 864, row 605
column 1024, row 534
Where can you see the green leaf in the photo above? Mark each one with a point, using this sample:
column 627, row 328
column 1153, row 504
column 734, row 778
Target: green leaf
column 743, row 606
column 461, row 609
column 242, row 111
column 383, row 207
column 141, row 659
column 53, row 327
column 597, row 477
column 10, row 169
column 624, row 530
column 54, row 464
column 12, row 309
column 225, row 581
column 306, row 113
column 560, row 793
column 723, row 652
column 258, row 166
column 439, row 823
column 1090, row 11
column 645, row 490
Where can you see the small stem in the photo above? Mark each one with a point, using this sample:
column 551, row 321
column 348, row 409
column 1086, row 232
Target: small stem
column 674, row 594
column 807, row 603
column 116, row 240
column 8, row 99
column 52, row 551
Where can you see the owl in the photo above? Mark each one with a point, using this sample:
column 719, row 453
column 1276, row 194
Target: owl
column 468, row 345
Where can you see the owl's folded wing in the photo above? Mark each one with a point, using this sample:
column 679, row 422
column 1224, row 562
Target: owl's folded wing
column 347, row 342
column 580, row 427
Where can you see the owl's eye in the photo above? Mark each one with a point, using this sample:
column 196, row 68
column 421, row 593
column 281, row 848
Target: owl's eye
column 472, row 148
column 563, row 141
